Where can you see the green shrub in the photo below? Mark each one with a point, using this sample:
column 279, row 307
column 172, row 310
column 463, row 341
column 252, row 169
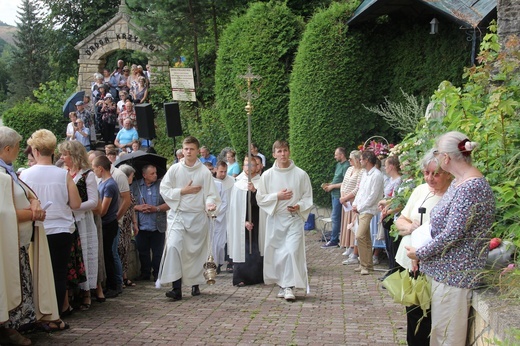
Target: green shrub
column 265, row 38
column 27, row 116
column 328, row 88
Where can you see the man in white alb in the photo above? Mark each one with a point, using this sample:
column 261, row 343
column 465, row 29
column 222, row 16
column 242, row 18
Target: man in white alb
column 190, row 192
column 285, row 194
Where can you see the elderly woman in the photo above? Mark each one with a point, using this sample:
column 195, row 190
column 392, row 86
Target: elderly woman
column 179, row 155
column 53, row 184
column 417, row 210
column 20, row 306
column 349, row 188
column 460, row 231
column 75, row 158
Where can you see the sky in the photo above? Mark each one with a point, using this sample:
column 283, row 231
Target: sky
column 8, row 9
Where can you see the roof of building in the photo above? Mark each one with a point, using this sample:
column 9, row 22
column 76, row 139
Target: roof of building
column 469, row 13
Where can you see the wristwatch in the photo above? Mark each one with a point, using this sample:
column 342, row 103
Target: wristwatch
column 157, row 210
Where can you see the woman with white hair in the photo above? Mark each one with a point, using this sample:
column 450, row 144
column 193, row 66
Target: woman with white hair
column 460, row 230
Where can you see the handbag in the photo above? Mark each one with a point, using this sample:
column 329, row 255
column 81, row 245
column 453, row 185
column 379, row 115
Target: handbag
column 310, row 224
column 380, row 231
column 82, row 186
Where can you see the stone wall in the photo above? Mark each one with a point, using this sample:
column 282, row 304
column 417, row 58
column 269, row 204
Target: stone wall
column 508, row 18
column 496, row 320
column 118, row 33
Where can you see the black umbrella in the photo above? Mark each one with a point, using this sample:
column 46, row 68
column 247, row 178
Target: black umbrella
column 138, row 159
column 70, row 104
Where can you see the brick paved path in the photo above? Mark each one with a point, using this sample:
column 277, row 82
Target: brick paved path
column 343, row 308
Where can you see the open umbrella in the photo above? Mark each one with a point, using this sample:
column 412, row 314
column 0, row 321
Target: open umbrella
column 139, row 159
column 70, row 104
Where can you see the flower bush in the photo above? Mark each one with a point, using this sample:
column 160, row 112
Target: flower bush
column 487, row 109
column 381, row 149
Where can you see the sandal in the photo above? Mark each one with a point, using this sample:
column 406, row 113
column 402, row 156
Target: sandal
column 85, row 305
column 241, row 284
column 55, row 326
column 128, row 283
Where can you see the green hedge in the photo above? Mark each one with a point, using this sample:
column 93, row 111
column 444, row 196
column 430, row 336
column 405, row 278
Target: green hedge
column 26, row 117
column 331, row 79
column 265, row 38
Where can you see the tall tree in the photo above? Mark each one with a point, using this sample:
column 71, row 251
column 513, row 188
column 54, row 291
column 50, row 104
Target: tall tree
column 72, row 21
column 29, row 66
column 184, row 27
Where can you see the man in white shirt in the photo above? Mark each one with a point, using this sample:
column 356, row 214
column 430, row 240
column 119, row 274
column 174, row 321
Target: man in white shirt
column 365, row 204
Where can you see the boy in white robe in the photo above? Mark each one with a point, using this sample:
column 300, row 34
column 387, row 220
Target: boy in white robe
column 224, row 184
column 285, row 194
column 190, row 192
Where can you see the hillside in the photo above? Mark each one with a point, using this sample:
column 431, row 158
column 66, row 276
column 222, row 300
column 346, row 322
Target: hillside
column 7, row 32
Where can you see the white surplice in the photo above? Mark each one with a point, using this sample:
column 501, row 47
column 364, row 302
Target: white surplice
column 237, row 220
column 285, row 262
column 186, row 246
column 220, row 226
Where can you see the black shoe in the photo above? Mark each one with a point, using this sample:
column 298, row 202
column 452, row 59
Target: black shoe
column 111, row 294
column 119, row 289
column 195, row 291
column 175, row 294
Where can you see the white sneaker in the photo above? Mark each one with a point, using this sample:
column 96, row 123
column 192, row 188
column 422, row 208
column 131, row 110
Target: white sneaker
column 351, row 260
column 289, row 295
column 375, row 260
column 281, row 293
column 348, row 251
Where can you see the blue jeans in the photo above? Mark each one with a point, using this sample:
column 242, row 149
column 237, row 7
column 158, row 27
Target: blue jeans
column 336, row 220
column 118, row 267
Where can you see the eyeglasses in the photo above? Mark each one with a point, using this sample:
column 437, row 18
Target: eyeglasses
column 435, row 174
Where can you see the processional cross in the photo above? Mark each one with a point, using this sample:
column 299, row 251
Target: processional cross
column 249, row 96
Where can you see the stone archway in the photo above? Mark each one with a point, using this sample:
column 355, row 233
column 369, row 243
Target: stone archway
column 118, row 33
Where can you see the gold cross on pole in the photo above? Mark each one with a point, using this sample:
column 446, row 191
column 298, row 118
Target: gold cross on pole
column 248, row 96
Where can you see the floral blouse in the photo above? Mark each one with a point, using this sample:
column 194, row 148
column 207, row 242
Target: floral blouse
column 460, row 228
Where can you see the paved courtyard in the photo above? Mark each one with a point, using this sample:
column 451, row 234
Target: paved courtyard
column 342, row 308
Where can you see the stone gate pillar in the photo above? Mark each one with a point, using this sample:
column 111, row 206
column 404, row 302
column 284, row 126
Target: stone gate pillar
column 117, row 34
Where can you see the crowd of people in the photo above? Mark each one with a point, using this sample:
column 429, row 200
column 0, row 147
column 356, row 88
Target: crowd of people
column 249, row 221
column 454, row 211
column 114, row 95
